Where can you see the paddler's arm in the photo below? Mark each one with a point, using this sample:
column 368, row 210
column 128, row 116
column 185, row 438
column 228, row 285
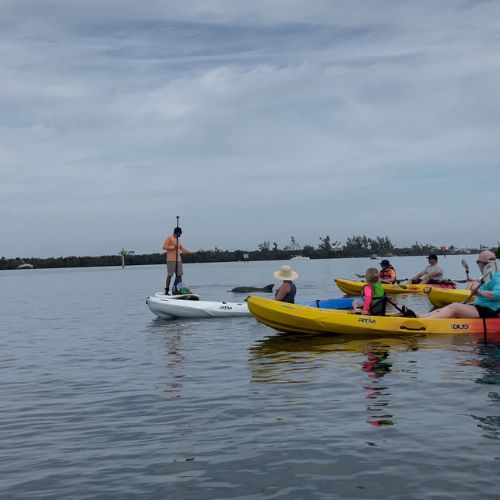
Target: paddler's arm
column 368, row 293
column 283, row 290
column 419, row 275
column 491, row 294
column 185, row 250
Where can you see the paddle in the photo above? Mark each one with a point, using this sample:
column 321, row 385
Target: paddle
column 407, row 313
column 488, row 269
column 176, row 281
column 396, row 283
column 466, row 267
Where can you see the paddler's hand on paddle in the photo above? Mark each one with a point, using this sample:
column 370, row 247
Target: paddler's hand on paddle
column 472, row 284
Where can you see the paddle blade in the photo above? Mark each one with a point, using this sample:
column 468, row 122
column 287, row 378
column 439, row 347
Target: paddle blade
column 488, row 270
column 465, row 265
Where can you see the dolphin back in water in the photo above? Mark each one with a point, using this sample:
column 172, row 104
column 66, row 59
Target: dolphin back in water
column 248, row 289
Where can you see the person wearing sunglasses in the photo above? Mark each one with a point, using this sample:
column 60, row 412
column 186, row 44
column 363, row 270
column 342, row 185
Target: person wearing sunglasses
column 486, row 290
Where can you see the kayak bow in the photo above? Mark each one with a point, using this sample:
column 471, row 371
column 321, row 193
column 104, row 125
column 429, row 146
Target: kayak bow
column 441, row 297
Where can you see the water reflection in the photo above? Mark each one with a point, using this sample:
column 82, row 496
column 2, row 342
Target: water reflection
column 488, row 360
column 172, row 333
column 302, row 358
column 272, row 357
column 377, row 395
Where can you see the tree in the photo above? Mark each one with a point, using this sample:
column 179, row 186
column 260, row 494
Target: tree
column 381, row 245
column 324, row 244
column 308, row 251
column 264, row 246
column 357, row 245
column 293, row 245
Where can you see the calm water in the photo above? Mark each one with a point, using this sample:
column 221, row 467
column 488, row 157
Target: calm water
column 101, row 399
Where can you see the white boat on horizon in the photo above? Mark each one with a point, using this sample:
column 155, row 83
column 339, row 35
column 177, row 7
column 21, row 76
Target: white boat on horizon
column 24, row 265
column 300, row 257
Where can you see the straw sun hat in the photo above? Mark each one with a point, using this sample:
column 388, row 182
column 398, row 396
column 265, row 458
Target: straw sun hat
column 286, row 273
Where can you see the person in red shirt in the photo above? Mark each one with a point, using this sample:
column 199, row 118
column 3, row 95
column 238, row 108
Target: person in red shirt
column 174, row 260
column 387, row 274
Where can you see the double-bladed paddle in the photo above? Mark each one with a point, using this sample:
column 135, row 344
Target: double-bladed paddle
column 396, row 282
column 488, row 269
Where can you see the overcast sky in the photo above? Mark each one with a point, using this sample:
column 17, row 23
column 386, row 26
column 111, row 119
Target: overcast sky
column 253, row 121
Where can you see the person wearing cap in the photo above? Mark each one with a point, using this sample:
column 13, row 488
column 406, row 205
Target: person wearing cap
column 387, row 274
column 286, row 292
column 487, row 294
column 432, row 273
column 174, row 260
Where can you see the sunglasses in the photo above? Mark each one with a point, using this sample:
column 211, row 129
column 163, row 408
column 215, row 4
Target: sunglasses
column 483, row 262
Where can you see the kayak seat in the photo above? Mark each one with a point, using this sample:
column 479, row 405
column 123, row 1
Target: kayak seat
column 443, row 283
column 379, row 307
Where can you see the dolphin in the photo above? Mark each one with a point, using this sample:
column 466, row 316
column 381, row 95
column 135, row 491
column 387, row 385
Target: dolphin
column 248, row 289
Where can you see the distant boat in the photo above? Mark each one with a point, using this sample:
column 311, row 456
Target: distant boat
column 24, row 265
column 299, row 257
column 373, row 257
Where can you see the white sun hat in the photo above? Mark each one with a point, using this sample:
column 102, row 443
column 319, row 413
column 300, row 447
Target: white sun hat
column 286, row 273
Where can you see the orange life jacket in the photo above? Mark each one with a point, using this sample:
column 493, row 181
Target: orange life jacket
column 388, row 273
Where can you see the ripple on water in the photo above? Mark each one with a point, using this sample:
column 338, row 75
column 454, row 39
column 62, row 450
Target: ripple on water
column 100, row 399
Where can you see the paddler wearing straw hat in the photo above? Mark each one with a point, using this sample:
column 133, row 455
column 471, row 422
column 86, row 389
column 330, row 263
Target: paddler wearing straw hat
column 286, row 292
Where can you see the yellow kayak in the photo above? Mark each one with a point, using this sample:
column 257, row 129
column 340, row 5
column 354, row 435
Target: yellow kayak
column 354, row 288
column 440, row 297
column 294, row 318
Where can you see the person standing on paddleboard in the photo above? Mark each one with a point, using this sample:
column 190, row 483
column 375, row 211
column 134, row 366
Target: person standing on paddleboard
column 174, row 260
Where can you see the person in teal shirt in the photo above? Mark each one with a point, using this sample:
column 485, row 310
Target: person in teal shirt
column 487, row 301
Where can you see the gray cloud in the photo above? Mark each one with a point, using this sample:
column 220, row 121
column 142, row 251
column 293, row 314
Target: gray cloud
column 265, row 120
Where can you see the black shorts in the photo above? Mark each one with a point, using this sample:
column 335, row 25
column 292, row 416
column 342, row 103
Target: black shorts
column 486, row 312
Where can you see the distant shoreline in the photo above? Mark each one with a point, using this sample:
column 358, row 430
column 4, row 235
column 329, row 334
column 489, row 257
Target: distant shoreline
column 214, row 256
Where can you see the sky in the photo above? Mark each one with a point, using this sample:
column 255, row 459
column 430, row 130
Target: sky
column 252, row 121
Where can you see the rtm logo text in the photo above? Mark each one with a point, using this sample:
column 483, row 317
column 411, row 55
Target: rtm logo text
column 367, row 320
column 226, row 308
